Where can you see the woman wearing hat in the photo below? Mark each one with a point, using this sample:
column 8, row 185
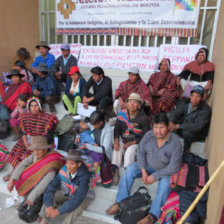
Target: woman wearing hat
column 73, row 91
column 130, row 127
column 17, row 88
column 199, row 72
column 33, row 123
column 21, row 67
column 35, row 172
column 163, row 88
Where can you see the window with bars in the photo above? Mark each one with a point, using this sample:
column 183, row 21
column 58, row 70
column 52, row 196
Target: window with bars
column 207, row 24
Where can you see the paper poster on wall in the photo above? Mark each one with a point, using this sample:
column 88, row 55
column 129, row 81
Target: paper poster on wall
column 74, row 49
column 113, row 14
column 144, row 58
column 179, row 55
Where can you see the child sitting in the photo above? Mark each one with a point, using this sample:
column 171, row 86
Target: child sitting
column 14, row 120
column 86, row 137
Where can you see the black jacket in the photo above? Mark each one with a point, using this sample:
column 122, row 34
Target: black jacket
column 99, row 91
column 197, row 121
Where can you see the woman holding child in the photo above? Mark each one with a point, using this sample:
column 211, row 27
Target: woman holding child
column 102, row 133
column 33, row 123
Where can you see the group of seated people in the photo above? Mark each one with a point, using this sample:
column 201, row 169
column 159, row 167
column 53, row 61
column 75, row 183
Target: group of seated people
column 149, row 119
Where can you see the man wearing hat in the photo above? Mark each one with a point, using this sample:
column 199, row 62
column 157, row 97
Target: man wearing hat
column 46, row 88
column 191, row 119
column 34, row 173
column 17, row 88
column 130, row 127
column 134, row 84
column 67, row 191
column 45, row 57
column 63, row 64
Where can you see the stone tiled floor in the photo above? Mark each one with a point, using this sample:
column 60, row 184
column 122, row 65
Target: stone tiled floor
column 9, row 215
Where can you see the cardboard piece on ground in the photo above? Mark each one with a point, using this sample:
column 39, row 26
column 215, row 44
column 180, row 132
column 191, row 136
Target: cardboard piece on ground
column 85, row 112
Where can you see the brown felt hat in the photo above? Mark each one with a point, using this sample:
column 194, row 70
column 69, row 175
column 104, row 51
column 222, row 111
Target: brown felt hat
column 39, row 142
column 74, row 155
column 43, row 44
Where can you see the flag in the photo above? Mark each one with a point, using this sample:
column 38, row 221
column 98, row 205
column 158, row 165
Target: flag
column 188, row 5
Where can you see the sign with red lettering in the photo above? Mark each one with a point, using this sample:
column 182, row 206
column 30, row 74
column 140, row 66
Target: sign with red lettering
column 179, row 55
column 145, row 58
column 99, row 15
column 74, row 49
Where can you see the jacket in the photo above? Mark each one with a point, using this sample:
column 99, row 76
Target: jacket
column 197, row 121
column 99, row 91
column 47, row 86
column 81, row 180
column 82, row 82
column 141, row 122
column 60, row 66
column 105, row 140
column 49, row 60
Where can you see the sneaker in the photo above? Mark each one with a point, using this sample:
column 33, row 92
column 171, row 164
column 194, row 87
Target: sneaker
column 113, row 209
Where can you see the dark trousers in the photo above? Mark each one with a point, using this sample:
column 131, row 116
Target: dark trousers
column 101, row 104
column 51, row 101
column 189, row 138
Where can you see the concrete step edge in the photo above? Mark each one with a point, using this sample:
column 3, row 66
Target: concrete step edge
column 100, row 217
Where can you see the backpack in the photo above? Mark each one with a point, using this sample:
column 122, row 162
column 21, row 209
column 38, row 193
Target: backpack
column 135, row 207
column 65, row 125
column 106, row 171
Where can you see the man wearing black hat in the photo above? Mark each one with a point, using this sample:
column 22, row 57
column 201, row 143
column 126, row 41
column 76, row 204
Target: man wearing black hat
column 63, row 64
column 67, row 190
column 191, row 119
column 46, row 88
column 45, row 57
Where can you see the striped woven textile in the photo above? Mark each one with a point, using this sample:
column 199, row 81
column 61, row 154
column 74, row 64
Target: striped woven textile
column 163, row 80
column 3, row 153
column 170, row 211
column 34, row 126
column 168, row 32
column 53, row 161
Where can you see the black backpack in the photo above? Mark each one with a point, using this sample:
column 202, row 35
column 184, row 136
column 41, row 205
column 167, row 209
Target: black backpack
column 135, row 207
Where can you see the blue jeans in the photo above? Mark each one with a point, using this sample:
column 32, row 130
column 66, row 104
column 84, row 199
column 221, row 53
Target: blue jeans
column 133, row 171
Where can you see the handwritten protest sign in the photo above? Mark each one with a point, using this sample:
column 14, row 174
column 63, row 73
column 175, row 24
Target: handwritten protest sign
column 74, row 49
column 144, row 58
column 179, row 55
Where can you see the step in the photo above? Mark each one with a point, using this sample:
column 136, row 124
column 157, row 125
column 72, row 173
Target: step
column 198, row 148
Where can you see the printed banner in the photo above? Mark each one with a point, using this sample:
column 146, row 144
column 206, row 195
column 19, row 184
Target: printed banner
column 145, row 58
column 74, row 49
column 179, row 55
column 114, row 14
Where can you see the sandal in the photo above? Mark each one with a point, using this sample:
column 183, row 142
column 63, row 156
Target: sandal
column 7, row 177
